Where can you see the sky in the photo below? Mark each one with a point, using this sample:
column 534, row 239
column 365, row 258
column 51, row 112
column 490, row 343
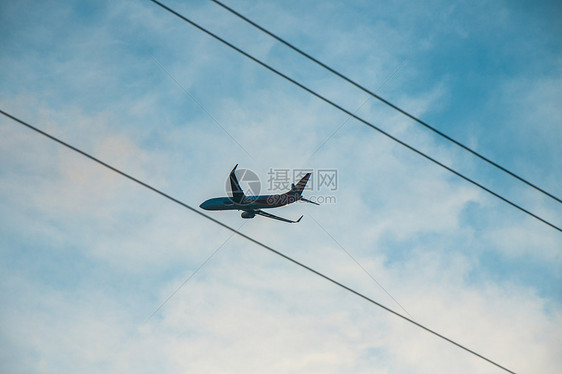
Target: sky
column 98, row 274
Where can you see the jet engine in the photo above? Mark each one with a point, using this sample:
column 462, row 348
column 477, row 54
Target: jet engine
column 248, row 214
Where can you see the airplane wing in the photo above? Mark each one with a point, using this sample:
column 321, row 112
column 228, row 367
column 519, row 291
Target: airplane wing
column 268, row 215
column 237, row 193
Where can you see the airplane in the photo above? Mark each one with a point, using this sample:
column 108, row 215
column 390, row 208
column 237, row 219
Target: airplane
column 252, row 205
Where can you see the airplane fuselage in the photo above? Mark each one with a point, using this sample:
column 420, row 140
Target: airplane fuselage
column 250, row 203
column 254, row 205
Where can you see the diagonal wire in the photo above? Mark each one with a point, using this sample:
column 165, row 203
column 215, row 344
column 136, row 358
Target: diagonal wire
column 195, row 272
column 314, row 93
column 361, row 266
column 199, row 104
column 257, row 242
column 394, row 73
column 373, row 94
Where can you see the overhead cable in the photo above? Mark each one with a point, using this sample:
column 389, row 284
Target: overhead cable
column 393, row 106
column 314, row 93
column 255, row 241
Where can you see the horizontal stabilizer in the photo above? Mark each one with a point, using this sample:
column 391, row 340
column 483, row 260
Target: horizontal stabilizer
column 308, row 201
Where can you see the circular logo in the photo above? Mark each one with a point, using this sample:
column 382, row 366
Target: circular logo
column 248, row 181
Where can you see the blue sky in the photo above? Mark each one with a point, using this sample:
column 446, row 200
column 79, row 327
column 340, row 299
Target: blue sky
column 86, row 256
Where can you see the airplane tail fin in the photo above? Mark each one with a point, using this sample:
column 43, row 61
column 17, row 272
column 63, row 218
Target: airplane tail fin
column 299, row 187
column 237, row 193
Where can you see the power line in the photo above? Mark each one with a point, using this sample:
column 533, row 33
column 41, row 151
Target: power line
column 341, row 285
column 381, row 99
column 358, row 264
column 360, row 106
column 194, row 273
column 314, row 93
